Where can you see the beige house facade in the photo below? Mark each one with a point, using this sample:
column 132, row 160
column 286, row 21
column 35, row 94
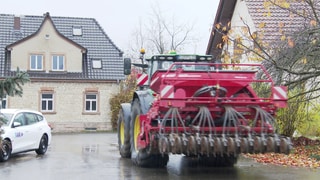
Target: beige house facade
column 240, row 18
column 73, row 65
column 68, row 112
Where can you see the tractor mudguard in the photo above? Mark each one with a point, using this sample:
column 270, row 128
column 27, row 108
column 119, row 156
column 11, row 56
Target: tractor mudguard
column 146, row 98
column 126, row 107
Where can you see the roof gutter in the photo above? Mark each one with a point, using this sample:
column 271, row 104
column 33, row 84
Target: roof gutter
column 223, row 16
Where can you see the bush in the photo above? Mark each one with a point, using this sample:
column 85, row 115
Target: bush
column 127, row 88
column 311, row 127
column 290, row 118
column 300, row 116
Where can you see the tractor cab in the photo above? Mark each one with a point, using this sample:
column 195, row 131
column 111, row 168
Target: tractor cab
column 172, row 62
column 179, row 66
column 158, row 65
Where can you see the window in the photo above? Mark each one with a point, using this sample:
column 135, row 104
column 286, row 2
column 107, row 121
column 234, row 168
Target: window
column 20, row 119
column 36, row 62
column 40, row 118
column 91, row 102
column 31, row 118
column 4, row 102
column 96, row 64
column 77, row 30
column 57, row 63
column 47, row 102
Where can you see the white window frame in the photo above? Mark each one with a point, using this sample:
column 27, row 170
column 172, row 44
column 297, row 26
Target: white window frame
column 46, row 101
column 91, row 101
column 96, row 63
column 58, row 58
column 34, row 66
column 77, row 30
column 4, row 103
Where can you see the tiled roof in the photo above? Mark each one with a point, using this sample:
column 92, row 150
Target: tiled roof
column 93, row 38
column 277, row 21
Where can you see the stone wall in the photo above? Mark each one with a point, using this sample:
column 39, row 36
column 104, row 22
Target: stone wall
column 69, row 115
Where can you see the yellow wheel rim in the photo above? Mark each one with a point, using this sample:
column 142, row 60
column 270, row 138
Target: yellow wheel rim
column 121, row 130
column 136, row 132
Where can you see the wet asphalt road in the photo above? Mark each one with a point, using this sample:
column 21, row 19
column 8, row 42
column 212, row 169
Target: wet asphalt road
column 95, row 156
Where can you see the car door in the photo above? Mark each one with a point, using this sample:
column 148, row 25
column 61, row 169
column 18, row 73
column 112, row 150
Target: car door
column 34, row 130
column 19, row 133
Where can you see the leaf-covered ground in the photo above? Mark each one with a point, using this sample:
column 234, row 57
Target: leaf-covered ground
column 305, row 153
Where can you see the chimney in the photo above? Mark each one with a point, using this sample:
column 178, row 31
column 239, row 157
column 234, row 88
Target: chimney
column 16, row 24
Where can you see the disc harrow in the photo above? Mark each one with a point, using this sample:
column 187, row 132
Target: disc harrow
column 201, row 137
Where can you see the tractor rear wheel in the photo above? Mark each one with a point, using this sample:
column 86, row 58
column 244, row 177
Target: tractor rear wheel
column 141, row 157
column 124, row 130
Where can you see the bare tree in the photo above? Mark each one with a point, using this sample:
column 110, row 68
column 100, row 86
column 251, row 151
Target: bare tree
column 179, row 34
column 160, row 34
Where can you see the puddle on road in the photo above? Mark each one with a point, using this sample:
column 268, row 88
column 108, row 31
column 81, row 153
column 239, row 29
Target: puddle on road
column 92, row 148
column 114, row 144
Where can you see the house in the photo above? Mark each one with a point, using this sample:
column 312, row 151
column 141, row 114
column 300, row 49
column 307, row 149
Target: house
column 267, row 22
column 73, row 65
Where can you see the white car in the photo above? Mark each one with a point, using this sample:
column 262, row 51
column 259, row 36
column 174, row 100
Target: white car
column 23, row 130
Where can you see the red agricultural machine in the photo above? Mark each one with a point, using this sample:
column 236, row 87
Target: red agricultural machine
column 185, row 104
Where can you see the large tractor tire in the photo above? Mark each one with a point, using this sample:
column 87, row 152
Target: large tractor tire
column 124, row 130
column 141, row 157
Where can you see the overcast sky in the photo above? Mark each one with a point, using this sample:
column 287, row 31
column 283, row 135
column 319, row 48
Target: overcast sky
column 120, row 18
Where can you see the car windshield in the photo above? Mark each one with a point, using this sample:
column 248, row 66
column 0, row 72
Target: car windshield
column 4, row 118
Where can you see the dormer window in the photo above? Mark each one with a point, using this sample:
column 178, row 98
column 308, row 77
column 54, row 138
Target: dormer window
column 96, row 64
column 77, row 30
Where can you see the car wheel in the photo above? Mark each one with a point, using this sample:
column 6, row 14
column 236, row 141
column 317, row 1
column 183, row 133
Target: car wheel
column 5, row 151
column 43, row 145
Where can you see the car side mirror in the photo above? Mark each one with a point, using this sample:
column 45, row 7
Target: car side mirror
column 127, row 66
column 16, row 124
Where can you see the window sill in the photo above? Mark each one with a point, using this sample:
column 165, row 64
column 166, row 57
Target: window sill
column 36, row 71
column 90, row 113
column 58, row 72
column 48, row 112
